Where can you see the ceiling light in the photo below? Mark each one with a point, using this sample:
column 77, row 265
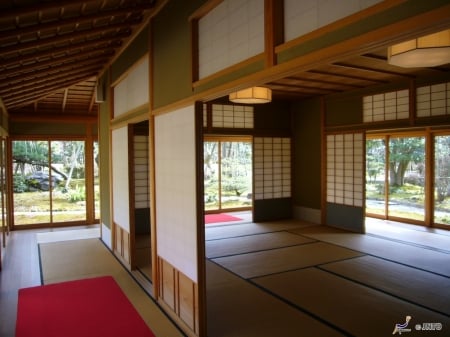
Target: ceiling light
column 253, row 95
column 426, row 51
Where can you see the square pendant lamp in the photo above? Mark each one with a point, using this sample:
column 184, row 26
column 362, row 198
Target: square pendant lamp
column 253, row 95
column 426, row 51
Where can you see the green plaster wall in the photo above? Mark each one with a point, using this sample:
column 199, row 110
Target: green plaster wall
column 307, row 153
column 47, row 129
column 172, row 52
column 136, row 50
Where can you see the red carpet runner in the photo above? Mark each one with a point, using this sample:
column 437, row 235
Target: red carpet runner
column 85, row 308
column 221, row 217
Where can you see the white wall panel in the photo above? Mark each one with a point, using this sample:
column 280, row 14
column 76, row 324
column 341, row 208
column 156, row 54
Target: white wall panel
column 232, row 32
column 120, row 185
column 133, row 90
column 175, row 179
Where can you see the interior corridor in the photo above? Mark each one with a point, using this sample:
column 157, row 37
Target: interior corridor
column 283, row 278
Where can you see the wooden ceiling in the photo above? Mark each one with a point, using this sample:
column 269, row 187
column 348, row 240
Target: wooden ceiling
column 51, row 52
column 352, row 73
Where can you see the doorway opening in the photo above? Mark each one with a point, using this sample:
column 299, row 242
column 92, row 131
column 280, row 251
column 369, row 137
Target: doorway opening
column 140, row 194
column 228, row 180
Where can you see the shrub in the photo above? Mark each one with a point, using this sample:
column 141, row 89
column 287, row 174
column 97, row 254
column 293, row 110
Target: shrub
column 19, row 184
column 76, row 194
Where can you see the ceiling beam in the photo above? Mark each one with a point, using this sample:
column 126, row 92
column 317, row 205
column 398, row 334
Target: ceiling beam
column 40, row 6
column 360, row 78
column 53, row 63
column 30, row 78
column 76, row 20
column 371, row 70
column 22, row 100
column 66, row 37
column 104, row 42
column 64, row 102
column 326, row 82
column 36, row 83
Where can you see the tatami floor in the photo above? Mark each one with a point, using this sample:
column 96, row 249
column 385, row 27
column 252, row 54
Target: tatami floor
column 291, row 278
column 283, row 278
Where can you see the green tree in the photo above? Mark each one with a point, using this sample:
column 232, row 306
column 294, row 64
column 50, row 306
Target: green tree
column 403, row 151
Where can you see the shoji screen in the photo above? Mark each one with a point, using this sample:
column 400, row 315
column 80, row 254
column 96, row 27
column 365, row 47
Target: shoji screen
column 120, row 193
column 345, row 181
column 176, row 213
column 272, row 178
column 120, row 184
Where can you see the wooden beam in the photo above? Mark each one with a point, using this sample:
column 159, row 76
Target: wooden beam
column 21, row 100
column 53, row 63
column 64, row 102
column 38, row 7
column 75, row 20
column 371, row 70
column 50, row 73
column 67, row 37
column 101, row 43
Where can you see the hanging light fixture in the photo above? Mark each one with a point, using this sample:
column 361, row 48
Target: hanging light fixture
column 426, row 51
column 253, row 95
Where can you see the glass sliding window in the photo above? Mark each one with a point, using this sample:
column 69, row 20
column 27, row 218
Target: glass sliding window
column 442, row 179
column 68, row 176
column 211, row 174
column 375, row 176
column 96, row 173
column 227, row 174
column 236, row 174
column 406, row 171
column 31, row 182
column 49, row 181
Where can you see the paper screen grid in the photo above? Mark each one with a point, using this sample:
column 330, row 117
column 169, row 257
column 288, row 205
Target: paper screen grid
column 272, row 165
column 386, row 106
column 345, row 155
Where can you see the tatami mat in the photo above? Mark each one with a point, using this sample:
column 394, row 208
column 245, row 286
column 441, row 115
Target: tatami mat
column 229, row 231
column 70, row 260
column 66, row 235
column 417, row 286
column 236, row 308
column 284, row 259
column 252, row 243
column 421, row 258
column 354, row 308
column 415, row 236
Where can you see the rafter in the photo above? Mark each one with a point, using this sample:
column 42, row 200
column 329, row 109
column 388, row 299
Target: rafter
column 38, row 67
column 67, row 37
column 32, row 77
column 371, row 70
column 76, row 20
column 36, row 83
column 102, row 43
column 22, row 100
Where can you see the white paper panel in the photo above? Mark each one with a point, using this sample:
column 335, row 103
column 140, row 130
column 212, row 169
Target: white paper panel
column 120, row 186
column 176, row 222
column 133, row 90
column 230, row 33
